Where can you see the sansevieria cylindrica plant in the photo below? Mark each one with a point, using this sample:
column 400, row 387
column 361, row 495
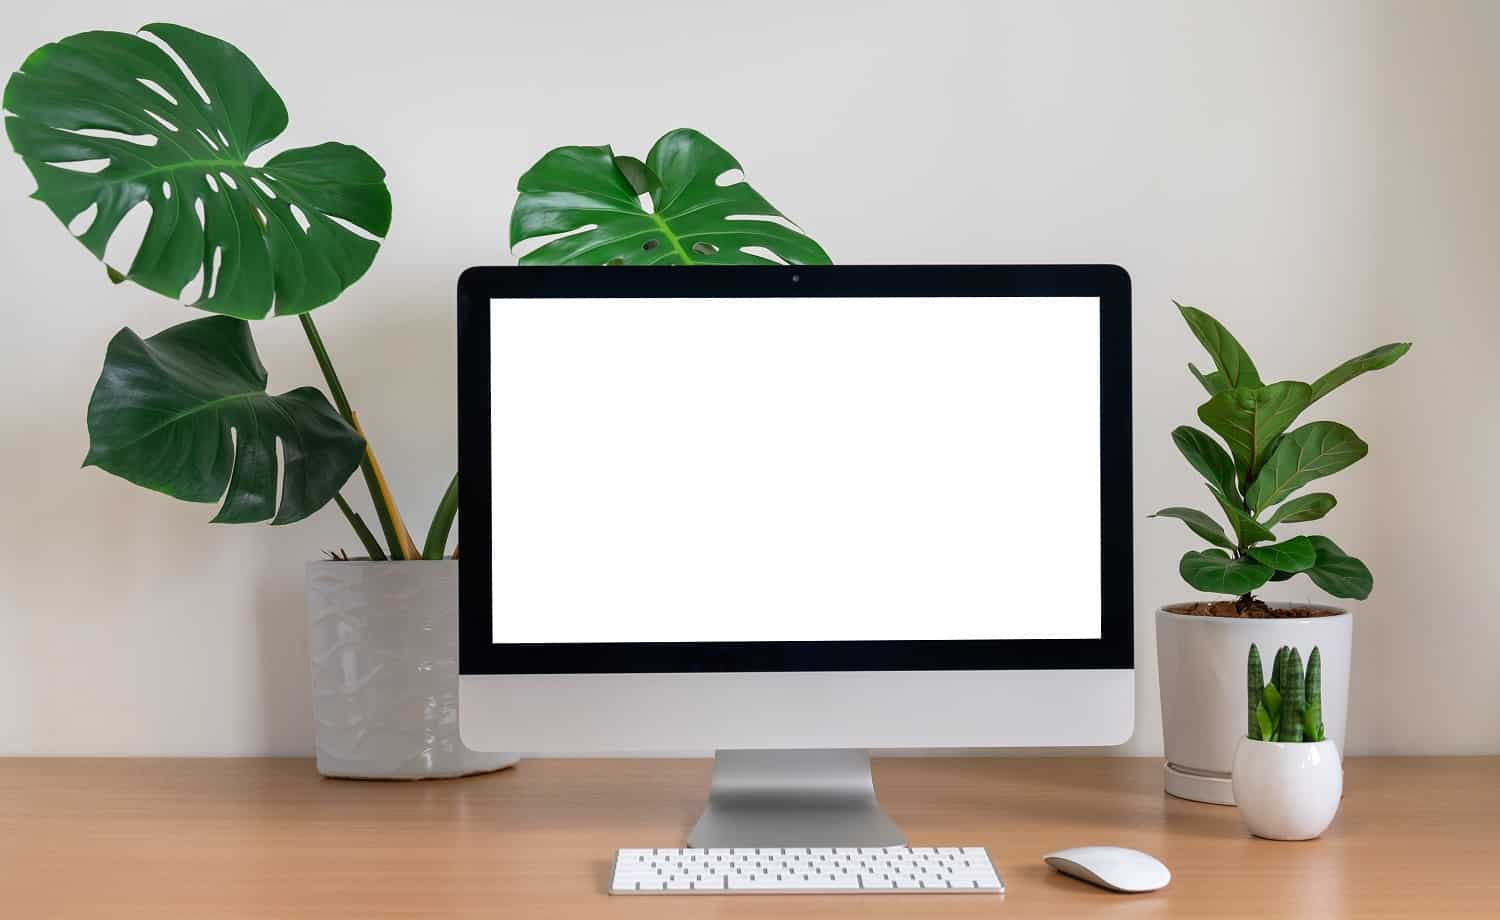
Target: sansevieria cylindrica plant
column 1288, row 707
column 1287, row 776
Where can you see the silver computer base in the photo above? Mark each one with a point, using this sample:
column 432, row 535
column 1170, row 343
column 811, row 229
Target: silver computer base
column 793, row 798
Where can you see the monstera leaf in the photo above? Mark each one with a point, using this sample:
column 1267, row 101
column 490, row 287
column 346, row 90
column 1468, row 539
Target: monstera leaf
column 693, row 219
column 272, row 237
column 186, row 412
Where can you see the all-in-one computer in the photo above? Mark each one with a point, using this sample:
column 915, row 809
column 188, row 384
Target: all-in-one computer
column 791, row 514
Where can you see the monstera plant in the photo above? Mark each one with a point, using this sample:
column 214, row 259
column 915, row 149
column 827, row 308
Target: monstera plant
column 591, row 199
column 170, row 119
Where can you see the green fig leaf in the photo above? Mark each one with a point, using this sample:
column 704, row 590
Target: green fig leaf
column 1207, row 457
column 1246, row 529
column 1315, row 450
column 1251, row 419
column 1200, row 524
column 1337, row 572
column 1372, row 360
column 1308, row 507
column 1230, row 358
column 1213, row 381
column 1213, row 570
column 1294, row 555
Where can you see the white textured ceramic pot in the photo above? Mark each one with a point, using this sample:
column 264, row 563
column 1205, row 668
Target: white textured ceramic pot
column 384, row 643
column 1287, row 790
column 1201, row 668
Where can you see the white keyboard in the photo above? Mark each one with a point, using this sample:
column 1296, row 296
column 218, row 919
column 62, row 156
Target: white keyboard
column 805, row 870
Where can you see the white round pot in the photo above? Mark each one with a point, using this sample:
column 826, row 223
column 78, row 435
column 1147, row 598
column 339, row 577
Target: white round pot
column 1201, row 669
column 1287, row 790
column 384, row 644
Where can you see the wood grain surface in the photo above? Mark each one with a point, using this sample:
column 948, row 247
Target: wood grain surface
column 270, row 838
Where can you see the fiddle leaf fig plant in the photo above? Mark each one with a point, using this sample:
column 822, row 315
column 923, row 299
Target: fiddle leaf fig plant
column 167, row 120
column 593, row 197
column 1262, row 462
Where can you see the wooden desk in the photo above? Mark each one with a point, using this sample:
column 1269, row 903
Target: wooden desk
column 269, row 838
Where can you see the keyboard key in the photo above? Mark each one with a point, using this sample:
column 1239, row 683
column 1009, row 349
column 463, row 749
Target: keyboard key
column 754, row 883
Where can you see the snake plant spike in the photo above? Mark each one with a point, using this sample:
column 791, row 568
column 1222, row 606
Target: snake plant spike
column 1290, row 688
column 1255, row 684
column 1312, row 716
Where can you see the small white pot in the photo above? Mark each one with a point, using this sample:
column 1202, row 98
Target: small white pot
column 1201, row 670
column 1287, row 790
column 384, row 644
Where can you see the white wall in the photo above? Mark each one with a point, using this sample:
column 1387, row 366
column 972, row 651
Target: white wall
column 1321, row 176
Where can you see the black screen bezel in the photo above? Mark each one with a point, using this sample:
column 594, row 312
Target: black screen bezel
column 477, row 287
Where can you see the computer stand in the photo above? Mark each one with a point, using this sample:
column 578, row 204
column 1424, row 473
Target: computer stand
column 806, row 798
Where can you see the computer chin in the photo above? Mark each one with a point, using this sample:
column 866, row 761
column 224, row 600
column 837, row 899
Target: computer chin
column 694, row 713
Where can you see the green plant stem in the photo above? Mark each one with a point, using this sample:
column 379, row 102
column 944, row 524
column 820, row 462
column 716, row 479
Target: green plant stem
column 372, row 545
column 341, row 400
column 325, row 364
column 442, row 522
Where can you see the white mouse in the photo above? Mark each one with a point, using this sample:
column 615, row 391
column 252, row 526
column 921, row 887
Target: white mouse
column 1115, row 868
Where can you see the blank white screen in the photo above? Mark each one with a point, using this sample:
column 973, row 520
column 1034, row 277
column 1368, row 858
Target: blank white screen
column 795, row 469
